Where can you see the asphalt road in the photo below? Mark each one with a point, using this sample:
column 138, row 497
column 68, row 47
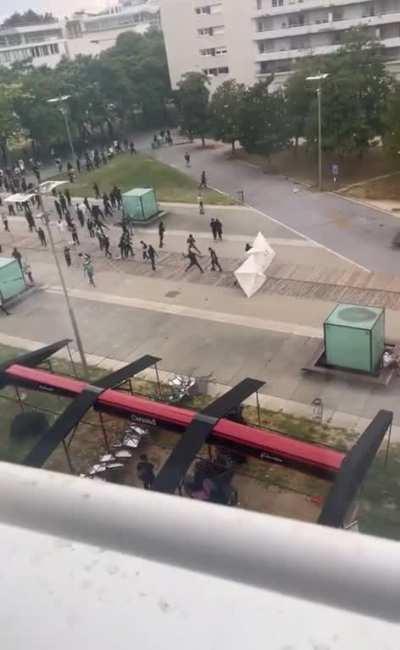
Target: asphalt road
column 359, row 233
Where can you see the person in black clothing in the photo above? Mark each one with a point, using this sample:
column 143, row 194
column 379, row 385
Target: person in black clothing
column 11, row 210
column 191, row 242
column 213, row 229
column 203, row 180
column 144, row 250
column 161, row 231
column 90, row 227
column 132, row 148
column 42, row 236
column 67, row 255
column 80, row 215
column 17, row 255
column 58, row 208
column 151, row 254
column 187, row 158
column 145, row 471
column 247, row 247
column 118, row 195
column 106, row 245
column 3, row 309
column 214, row 260
column 4, row 219
column 63, row 202
column 86, row 203
column 218, row 228
column 74, row 234
column 193, row 261
column 96, row 190
column 68, row 196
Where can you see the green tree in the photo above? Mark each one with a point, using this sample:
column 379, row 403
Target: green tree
column 392, row 123
column 9, row 122
column 192, row 99
column 264, row 124
column 225, row 111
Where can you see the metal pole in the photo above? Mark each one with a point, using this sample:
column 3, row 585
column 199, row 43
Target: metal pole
column 70, row 465
column 64, row 288
column 319, row 93
column 104, row 432
column 63, row 110
column 388, row 446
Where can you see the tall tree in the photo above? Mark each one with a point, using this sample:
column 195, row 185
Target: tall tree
column 264, row 124
column 225, row 111
column 9, row 122
column 392, row 122
column 192, row 98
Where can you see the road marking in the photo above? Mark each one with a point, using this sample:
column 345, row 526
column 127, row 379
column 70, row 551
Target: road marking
column 192, row 312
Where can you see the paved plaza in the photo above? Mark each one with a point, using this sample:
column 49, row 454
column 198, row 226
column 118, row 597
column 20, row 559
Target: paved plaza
column 198, row 324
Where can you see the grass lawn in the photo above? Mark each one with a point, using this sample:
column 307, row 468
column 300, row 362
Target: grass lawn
column 143, row 171
column 383, row 189
column 303, row 167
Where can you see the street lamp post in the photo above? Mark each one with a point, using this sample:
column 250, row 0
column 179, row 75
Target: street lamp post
column 64, row 112
column 49, row 185
column 319, row 78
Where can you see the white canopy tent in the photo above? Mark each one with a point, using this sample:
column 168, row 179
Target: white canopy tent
column 250, row 276
column 262, row 252
column 19, row 198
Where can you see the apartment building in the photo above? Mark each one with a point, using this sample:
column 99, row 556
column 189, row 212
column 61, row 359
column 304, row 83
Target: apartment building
column 249, row 39
column 93, row 33
column 43, row 44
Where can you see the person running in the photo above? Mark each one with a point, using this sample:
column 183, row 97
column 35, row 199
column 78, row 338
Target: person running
column 67, row 255
column 218, row 228
column 203, row 181
column 193, row 261
column 17, row 256
column 96, row 191
column 4, row 219
column 214, row 260
column 191, row 242
column 3, row 309
column 213, row 229
column 161, row 231
column 187, row 158
column 144, row 250
column 42, row 236
column 200, row 201
column 151, row 254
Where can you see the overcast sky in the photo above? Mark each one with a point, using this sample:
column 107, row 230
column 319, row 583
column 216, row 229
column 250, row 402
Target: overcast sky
column 57, row 7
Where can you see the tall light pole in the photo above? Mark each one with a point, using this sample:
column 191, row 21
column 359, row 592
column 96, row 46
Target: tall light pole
column 44, row 188
column 60, row 102
column 319, row 78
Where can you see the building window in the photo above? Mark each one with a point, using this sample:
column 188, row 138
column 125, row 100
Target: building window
column 215, row 8
column 277, row 3
column 211, row 31
column 214, row 72
column 259, row 5
column 54, row 48
column 214, row 51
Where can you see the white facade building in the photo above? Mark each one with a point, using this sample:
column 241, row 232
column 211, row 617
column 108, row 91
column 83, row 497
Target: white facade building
column 93, row 33
column 246, row 40
column 43, row 44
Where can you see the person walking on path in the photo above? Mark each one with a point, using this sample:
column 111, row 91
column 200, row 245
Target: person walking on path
column 67, row 255
column 96, row 190
column 17, row 256
column 88, row 270
column 87, row 204
column 42, row 236
column 191, row 242
column 58, row 208
column 213, row 227
column 214, row 260
column 218, row 228
column 145, row 471
column 151, row 253
column 63, row 203
column 90, row 227
column 3, row 309
column 203, row 181
column 161, row 231
column 106, row 245
column 193, row 261
column 4, row 219
column 201, row 204
column 187, row 158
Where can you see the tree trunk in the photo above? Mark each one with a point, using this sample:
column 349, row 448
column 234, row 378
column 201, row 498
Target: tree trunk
column 4, row 150
column 203, row 141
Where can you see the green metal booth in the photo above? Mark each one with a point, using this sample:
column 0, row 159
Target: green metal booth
column 140, row 204
column 11, row 278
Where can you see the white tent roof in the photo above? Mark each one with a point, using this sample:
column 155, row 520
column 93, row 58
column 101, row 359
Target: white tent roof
column 250, row 276
column 18, row 198
column 262, row 252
